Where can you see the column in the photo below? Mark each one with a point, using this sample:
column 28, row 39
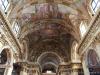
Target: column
column 24, row 69
column 75, row 68
column 36, row 70
column 8, row 70
column 33, row 69
column 64, row 69
column 29, row 69
column 74, row 72
column 85, row 68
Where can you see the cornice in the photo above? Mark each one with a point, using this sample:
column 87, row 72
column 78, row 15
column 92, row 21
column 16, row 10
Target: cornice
column 91, row 34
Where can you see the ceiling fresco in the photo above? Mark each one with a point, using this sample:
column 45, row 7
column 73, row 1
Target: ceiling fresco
column 48, row 30
column 49, row 26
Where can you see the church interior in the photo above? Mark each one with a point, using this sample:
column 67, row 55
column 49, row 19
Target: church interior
column 49, row 37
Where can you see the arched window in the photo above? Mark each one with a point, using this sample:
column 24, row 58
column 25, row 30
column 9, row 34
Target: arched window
column 83, row 28
column 95, row 5
column 93, row 63
column 4, row 4
column 93, row 59
column 16, row 28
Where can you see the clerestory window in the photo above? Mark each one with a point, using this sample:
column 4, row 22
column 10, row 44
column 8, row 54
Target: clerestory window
column 83, row 28
column 16, row 28
column 4, row 4
column 95, row 5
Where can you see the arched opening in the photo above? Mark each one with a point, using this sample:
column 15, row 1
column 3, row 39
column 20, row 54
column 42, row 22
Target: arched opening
column 3, row 57
column 49, row 68
column 49, row 62
column 3, row 60
column 93, row 63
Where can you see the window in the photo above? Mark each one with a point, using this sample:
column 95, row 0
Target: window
column 93, row 59
column 4, row 4
column 95, row 5
column 93, row 63
column 16, row 28
column 83, row 28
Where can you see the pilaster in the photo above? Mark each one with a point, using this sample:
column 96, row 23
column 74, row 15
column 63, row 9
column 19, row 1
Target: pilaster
column 75, row 68
column 29, row 69
column 64, row 69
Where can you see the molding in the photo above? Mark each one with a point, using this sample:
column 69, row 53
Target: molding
column 5, row 28
column 90, row 35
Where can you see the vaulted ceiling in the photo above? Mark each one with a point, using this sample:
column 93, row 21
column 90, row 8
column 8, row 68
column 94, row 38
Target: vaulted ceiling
column 50, row 31
column 50, row 38
column 49, row 25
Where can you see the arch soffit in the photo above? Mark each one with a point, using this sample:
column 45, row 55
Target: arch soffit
column 45, row 53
